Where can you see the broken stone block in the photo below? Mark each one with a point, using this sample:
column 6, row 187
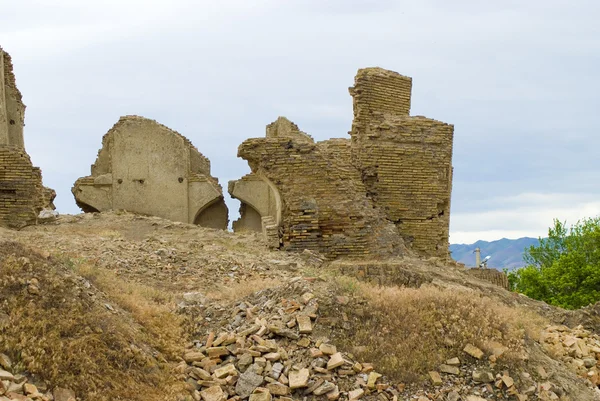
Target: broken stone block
column 214, row 393
column 372, row 379
column 473, row 351
column 453, row 370
column 228, row 370
column 355, row 394
column 299, row 378
column 482, row 376
column 304, row 324
column 436, row 379
column 260, row 394
column 335, row 361
column 328, row 349
column 247, row 383
column 278, row 389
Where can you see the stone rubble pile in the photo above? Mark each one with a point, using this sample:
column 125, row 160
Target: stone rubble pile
column 15, row 386
column 269, row 352
column 577, row 348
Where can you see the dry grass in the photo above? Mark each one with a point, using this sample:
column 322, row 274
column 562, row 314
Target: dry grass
column 70, row 339
column 411, row 331
column 237, row 291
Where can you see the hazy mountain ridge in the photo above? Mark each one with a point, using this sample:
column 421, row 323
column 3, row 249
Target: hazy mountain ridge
column 505, row 253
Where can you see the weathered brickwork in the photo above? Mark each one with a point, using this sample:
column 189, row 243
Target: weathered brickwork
column 12, row 109
column 146, row 167
column 405, row 162
column 325, row 206
column 22, row 195
column 491, row 275
column 387, row 186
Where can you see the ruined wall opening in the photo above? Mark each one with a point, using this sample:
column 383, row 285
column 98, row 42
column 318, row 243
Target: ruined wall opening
column 214, row 215
column 250, row 219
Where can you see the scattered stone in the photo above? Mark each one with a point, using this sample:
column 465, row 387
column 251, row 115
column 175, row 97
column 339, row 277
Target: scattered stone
column 436, row 379
column 260, row 394
column 304, row 324
column 473, row 351
column 328, row 349
column 247, row 383
column 4, row 375
column 355, row 394
column 214, row 393
column 453, row 370
column 373, row 376
column 299, row 378
column 335, row 361
column 227, row 370
column 453, row 361
column 278, row 389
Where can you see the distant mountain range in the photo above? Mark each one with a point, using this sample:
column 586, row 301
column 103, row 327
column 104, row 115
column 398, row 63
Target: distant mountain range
column 505, row 253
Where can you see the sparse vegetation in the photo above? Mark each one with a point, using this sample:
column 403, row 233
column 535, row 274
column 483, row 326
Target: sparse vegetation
column 411, row 331
column 65, row 334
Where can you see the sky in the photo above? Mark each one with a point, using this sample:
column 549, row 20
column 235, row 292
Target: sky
column 520, row 81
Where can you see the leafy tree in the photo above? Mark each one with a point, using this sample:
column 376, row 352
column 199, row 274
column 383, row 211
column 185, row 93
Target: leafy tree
column 564, row 269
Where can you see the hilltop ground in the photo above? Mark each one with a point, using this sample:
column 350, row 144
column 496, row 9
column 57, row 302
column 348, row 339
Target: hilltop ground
column 116, row 306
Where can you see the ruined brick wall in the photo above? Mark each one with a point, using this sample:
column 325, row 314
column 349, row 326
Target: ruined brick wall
column 405, row 162
column 12, row 109
column 22, row 195
column 490, row 275
column 324, row 203
column 387, row 186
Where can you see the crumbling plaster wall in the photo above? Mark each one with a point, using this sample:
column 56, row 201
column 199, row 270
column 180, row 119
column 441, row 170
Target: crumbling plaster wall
column 145, row 167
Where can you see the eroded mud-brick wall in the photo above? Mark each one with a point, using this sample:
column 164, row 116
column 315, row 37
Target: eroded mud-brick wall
column 324, row 203
column 145, row 167
column 12, row 109
column 405, row 162
column 22, row 195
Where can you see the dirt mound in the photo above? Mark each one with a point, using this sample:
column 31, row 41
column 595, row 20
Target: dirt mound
column 120, row 306
column 59, row 330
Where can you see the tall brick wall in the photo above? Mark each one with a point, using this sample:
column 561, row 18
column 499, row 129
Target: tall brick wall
column 325, row 207
column 405, row 162
column 12, row 109
column 22, row 195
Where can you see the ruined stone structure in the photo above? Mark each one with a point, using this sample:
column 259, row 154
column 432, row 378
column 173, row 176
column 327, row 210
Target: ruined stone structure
column 22, row 195
column 145, row 167
column 387, row 186
column 491, row 275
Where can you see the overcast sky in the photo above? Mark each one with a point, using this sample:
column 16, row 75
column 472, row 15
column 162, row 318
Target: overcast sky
column 520, row 81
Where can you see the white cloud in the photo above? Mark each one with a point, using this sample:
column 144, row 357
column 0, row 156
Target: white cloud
column 523, row 215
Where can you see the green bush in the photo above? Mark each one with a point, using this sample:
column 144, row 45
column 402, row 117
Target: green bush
column 564, row 269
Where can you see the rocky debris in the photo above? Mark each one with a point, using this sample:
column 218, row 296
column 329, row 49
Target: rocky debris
column 14, row 386
column 269, row 352
column 578, row 348
column 263, row 354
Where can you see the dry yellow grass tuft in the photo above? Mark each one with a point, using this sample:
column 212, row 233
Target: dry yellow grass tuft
column 412, row 331
column 64, row 333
